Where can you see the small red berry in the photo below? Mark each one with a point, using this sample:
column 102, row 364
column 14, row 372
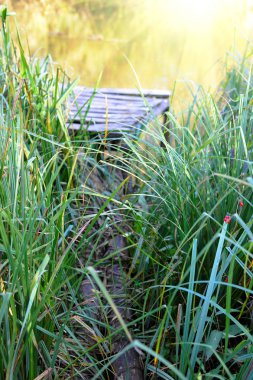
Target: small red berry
column 227, row 219
column 241, row 204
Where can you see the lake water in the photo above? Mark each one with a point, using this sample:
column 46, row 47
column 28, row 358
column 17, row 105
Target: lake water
column 154, row 42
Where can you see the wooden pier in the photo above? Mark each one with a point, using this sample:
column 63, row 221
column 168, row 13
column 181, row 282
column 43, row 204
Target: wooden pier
column 116, row 110
column 111, row 112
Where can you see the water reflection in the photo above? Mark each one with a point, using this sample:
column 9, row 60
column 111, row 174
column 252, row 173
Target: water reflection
column 164, row 40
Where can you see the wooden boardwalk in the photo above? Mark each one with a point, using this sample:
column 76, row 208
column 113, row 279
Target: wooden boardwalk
column 117, row 110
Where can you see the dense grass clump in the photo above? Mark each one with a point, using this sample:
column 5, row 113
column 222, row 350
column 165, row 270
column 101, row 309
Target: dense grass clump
column 40, row 199
column 190, row 273
column 194, row 252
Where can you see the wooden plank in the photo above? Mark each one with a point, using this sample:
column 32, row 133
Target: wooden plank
column 134, row 102
column 113, row 107
column 110, row 117
column 115, row 97
column 103, row 111
column 163, row 107
column 129, row 121
column 100, row 127
column 119, row 98
column 126, row 91
column 110, row 108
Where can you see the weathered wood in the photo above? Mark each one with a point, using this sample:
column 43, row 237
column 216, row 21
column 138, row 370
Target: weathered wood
column 128, row 365
column 120, row 106
column 105, row 103
column 100, row 128
column 115, row 109
column 103, row 113
column 114, row 96
column 112, row 108
column 124, row 120
column 163, row 107
column 127, row 91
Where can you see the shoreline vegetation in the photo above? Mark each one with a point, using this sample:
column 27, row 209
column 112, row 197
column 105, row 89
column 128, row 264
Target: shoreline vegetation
column 188, row 278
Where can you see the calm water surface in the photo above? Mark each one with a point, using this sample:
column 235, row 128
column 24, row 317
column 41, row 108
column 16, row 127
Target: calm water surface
column 154, row 42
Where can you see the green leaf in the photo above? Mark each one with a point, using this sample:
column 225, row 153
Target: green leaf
column 213, row 341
